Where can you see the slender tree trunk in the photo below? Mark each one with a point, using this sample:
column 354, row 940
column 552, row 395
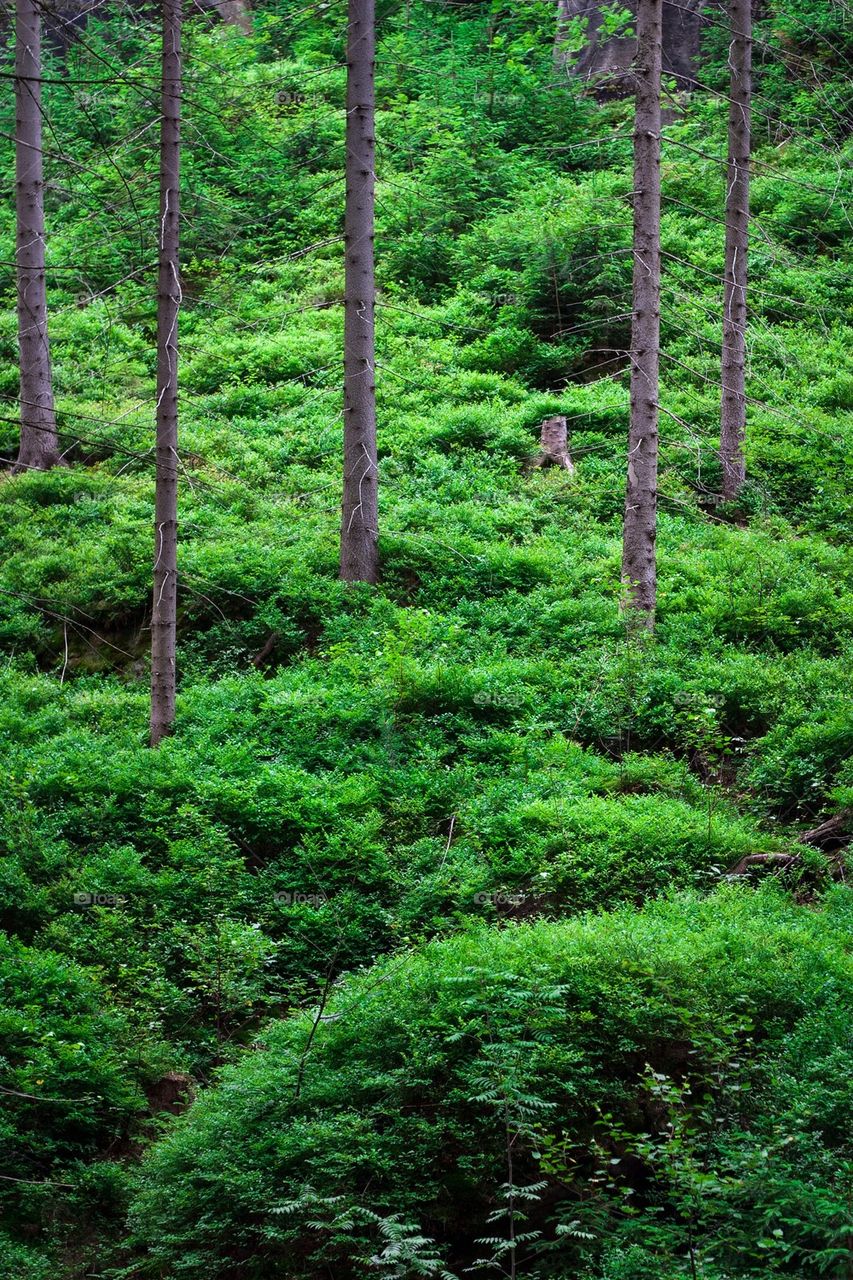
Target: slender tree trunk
column 165, row 598
column 639, row 570
column 39, row 448
column 359, row 551
column 562, row 18
column 733, row 413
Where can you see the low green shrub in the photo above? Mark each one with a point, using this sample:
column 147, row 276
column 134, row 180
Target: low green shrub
column 671, row 1082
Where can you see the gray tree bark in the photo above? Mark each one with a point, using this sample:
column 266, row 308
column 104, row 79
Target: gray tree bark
column 639, row 568
column 554, row 444
column 733, row 411
column 359, row 560
column 39, row 444
column 165, row 596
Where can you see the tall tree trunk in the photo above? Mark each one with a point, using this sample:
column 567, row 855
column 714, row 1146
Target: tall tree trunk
column 359, row 551
column 559, row 29
column 733, row 412
column 39, row 447
column 165, row 598
column 639, row 570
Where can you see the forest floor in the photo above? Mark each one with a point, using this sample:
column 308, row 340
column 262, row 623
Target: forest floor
column 456, row 776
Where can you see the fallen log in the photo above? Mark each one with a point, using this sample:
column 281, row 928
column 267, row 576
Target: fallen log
column 757, row 859
column 834, row 833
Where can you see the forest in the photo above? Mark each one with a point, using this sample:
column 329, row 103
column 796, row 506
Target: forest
column 426, row 615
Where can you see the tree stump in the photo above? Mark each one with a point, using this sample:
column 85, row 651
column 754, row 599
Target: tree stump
column 553, row 441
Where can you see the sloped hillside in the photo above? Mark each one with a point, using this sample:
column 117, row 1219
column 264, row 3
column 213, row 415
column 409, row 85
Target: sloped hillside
column 437, row 777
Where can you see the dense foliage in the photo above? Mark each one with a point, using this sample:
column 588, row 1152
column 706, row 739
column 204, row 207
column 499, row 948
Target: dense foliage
column 674, row 1082
column 478, row 749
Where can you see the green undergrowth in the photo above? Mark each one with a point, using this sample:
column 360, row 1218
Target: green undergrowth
column 449, row 770
column 645, row 1094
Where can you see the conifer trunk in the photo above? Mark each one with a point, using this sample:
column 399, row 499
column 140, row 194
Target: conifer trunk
column 39, row 444
column 733, row 411
column 639, row 571
column 359, row 560
column 165, row 597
